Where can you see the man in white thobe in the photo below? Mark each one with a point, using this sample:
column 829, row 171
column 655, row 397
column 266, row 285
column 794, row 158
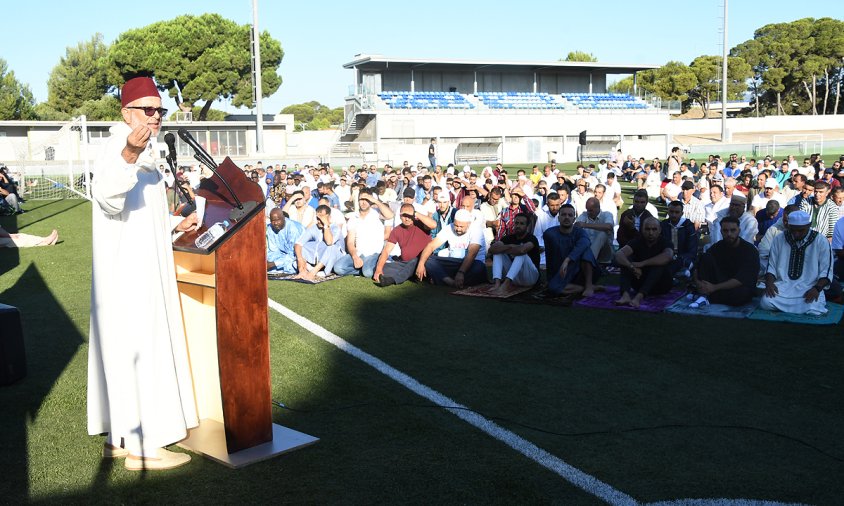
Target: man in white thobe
column 799, row 268
column 139, row 383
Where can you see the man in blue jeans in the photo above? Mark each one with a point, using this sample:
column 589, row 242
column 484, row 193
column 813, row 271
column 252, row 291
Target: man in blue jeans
column 364, row 237
column 461, row 262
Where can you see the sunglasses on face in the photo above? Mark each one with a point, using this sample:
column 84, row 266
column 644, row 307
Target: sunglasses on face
column 408, row 216
column 150, row 111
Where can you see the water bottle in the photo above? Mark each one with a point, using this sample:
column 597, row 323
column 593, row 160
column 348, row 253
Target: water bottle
column 211, row 235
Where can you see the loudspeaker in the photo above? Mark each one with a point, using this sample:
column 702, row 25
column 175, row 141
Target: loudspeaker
column 12, row 353
column 583, row 138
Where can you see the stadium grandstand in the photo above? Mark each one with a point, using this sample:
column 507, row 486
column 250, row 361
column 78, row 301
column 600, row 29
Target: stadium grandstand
column 491, row 111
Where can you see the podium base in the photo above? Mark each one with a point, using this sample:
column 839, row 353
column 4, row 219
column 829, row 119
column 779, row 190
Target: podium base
column 209, row 439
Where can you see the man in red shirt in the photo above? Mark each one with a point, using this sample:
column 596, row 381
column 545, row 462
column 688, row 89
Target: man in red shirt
column 412, row 235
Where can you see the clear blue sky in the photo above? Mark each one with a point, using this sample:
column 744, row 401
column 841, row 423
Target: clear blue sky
column 318, row 37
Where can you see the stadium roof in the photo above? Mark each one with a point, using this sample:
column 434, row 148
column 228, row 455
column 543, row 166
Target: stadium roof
column 378, row 62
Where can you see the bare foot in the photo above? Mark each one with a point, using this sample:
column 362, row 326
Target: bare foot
column 448, row 281
column 55, row 237
column 588, row 292
column 623, row 301
column 636, row 301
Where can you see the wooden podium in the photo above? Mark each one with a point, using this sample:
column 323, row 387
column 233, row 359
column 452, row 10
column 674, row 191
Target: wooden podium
column 223, row 291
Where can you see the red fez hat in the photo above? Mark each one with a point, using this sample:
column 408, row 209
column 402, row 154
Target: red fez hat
column 136, row 88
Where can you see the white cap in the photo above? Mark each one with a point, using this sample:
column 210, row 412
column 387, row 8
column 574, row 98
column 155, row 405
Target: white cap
column 466, row 168
column 770, row 183
column 464, row 216
column 442, row 197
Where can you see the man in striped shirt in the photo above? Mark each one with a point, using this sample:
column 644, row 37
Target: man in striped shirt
column 822, row 210
column 693, row 209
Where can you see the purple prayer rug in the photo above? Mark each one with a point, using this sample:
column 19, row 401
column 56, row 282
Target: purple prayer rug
column 652, row 303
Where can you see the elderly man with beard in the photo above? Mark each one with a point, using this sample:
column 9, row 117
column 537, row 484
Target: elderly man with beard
column 459, row 264
column 726, row 274
column 139, row 381
column 515, row 258
column 411, row 236
column 644, row 263
column 799, row 268
column 572, row 268
column 748, row 225
column 281, row 238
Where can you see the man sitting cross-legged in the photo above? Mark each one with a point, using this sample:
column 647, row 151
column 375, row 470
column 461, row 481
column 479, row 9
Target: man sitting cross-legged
column 726, row 274
column 364, row 236
column 282, row 234
column 515, row 257
column 684, row 238
column 461, row 263
column 318, row 248
column 644, row 263
column 572, row 268
column 412, row 236
column 799, row 268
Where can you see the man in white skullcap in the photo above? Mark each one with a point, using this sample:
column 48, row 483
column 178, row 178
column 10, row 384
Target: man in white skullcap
column 461, row 262
column 799, row 268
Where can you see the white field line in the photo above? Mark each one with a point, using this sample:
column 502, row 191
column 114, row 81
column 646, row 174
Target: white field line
column 576, row 477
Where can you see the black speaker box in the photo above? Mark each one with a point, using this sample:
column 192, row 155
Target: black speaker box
column 12, row 353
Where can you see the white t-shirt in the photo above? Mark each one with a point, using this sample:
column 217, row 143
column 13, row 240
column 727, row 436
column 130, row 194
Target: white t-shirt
column 369, row 233
column 458, row 244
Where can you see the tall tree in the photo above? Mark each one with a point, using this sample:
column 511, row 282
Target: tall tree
column 672, row 81
column 80, row 75
column 199, row 59
column 579, row 56
column 708, row 71
column 622, row 86
column 16, row 100
column 314, row 116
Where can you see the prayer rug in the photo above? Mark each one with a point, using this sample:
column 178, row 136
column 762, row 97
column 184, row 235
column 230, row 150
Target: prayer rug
column 278, row 276
column 719, row 310
column 486, row 291
column 833, row 316
column 652, row 303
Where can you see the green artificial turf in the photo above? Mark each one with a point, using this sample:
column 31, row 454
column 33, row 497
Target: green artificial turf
column 658, row 406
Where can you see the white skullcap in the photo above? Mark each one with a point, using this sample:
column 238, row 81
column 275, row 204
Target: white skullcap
column 466, row 168
column 463, row 215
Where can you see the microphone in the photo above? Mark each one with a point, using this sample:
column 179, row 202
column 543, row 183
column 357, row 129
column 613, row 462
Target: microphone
column 204, row 158
column 170, row 140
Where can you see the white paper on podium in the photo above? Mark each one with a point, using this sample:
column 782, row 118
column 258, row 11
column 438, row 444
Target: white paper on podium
column 200, row 209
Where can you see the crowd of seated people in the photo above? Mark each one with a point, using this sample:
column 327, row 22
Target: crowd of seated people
column 730, row 227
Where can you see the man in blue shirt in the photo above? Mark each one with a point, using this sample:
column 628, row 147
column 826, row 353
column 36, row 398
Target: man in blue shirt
column 282, row 234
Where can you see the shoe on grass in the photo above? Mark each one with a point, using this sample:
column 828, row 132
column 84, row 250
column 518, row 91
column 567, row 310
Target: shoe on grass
column 165, row 459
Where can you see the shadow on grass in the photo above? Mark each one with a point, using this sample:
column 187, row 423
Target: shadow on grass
column 47, row 356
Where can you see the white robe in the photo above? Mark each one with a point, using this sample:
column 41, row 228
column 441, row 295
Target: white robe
column 139, row 383
column 817, row 264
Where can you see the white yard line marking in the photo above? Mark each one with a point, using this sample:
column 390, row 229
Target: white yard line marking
column 576, row 477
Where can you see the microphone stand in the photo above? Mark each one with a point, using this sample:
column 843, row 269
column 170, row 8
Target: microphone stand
column 204, row 158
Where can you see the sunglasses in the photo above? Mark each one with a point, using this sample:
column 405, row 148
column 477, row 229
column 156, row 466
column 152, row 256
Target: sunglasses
column 150, row 111
column 409, row 216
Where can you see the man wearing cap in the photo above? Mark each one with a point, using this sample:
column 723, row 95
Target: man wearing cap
column 410, row 237
column 747, row 222
column 139, row 383
column 760, row 200
column 461, row 262
column 693, row 209
column 799, row 268
column 726, row 274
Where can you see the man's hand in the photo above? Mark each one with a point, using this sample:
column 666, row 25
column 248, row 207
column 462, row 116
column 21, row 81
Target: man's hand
column 358, row 261
column 564, row 268
column 771, row 289
column 459, row 278
column 136, row 143
column 704, row 287
column 811, row 294
column 420, row 271
column 377, row 274
column 188, row 224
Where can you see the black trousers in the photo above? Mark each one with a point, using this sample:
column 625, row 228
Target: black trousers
column 655, row 280
column 708, row 270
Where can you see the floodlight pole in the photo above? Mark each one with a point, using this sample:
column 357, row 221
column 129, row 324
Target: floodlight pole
column 256, row 57
column 724, row 82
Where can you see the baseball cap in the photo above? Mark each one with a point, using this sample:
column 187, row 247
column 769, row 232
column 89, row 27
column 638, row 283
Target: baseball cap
column 408, row 192
column 771, row 184
column 466, row 168
column 442, row 197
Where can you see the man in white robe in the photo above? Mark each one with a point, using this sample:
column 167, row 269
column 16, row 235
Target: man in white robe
column 799, row 268
column 139, row 383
